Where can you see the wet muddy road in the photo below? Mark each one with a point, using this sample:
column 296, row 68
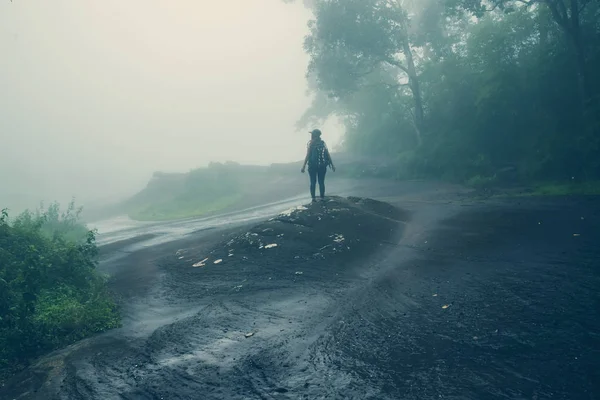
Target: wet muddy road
column 438, row 298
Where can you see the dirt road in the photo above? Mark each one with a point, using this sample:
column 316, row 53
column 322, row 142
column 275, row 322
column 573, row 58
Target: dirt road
column 440, row 297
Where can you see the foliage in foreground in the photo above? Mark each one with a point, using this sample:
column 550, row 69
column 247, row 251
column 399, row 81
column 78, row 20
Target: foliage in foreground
column 50, row 292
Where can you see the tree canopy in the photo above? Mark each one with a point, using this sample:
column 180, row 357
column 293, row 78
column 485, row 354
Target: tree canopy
column 462, row 89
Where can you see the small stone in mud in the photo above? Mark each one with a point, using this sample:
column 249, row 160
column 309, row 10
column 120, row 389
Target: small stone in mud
column 200, row 264
column 250, row 334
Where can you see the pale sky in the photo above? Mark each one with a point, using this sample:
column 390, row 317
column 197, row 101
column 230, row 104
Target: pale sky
column 96, row 95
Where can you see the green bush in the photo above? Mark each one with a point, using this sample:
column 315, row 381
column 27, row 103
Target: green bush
column 51, row 294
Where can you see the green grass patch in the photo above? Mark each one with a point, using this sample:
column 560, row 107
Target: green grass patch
column 549, row 189
column 200, row 192
column 184, row 208
column 566, row 189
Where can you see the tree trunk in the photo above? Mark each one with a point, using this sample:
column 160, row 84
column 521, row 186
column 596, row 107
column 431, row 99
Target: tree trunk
column 570, row 22
column 415, row 87
column 543, row 29
column 579, row 49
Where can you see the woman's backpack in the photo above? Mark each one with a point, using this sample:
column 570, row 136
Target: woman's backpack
column 319, row 155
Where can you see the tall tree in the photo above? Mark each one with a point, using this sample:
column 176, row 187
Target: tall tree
column 350, row 40
column 502, row 94
column 568, row 14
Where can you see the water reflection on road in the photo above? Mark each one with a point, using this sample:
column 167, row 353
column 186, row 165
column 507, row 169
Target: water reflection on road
column 123, row 228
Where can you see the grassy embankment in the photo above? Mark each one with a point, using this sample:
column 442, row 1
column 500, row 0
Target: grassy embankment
column 556, row 188
column 200, row 192
column 565, row 189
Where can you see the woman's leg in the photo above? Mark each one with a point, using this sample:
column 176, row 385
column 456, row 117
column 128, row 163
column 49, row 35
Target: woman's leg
column 312, row 172
column 321, row 175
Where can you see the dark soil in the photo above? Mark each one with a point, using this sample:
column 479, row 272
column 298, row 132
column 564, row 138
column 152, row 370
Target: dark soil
column 358, row 300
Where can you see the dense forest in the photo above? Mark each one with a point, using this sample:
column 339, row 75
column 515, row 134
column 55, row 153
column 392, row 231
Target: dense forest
column 466, row 90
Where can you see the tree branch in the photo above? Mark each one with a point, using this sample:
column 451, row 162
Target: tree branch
column 560, row 19
column 396, row 64
column 396, row 86
column 386, row 85
column 496, row 5
column 583, row 5
column 563, row 8
column 369, row 71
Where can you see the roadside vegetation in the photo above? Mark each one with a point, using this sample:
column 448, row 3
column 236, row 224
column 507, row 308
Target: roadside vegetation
column 486, row 93
column 51, row 294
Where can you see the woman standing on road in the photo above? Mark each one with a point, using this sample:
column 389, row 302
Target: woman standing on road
column 318, row 159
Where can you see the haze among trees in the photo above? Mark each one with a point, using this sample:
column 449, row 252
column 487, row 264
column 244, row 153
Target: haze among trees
column 472, row 91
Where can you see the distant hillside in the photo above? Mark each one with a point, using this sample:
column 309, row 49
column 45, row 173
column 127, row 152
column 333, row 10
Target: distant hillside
column 220, row 187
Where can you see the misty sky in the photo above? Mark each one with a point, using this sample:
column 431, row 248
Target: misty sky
column 96, row 95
